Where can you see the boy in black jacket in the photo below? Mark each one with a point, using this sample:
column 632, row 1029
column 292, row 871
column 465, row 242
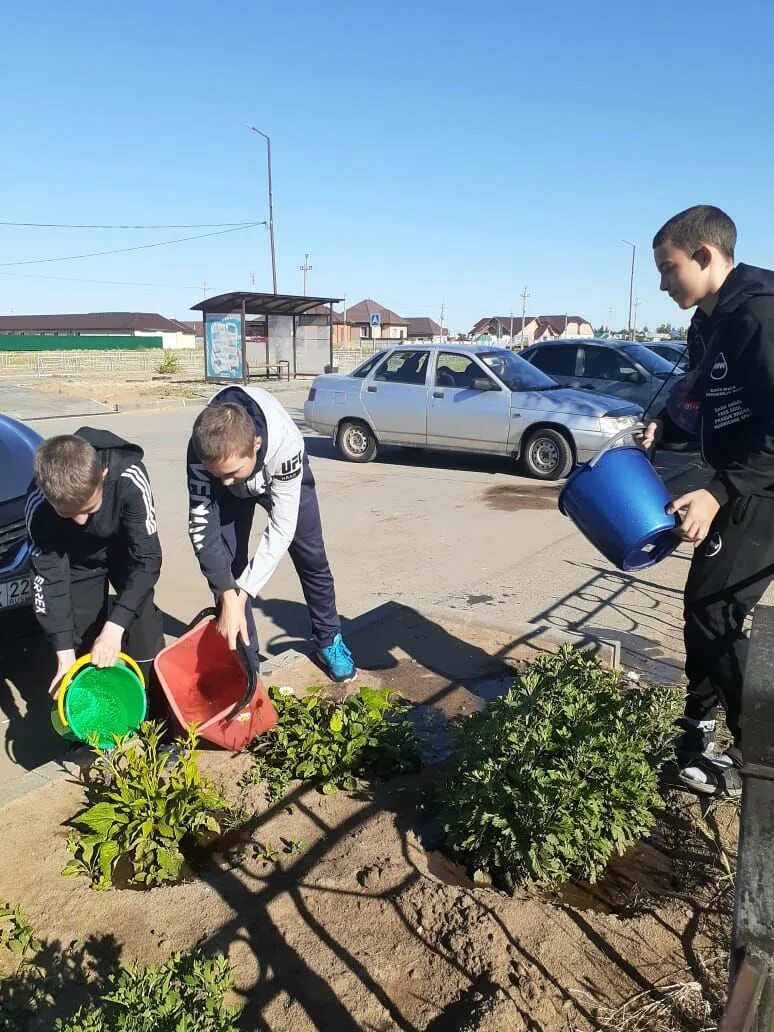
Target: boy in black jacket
column 730, row 402
column 91, row 521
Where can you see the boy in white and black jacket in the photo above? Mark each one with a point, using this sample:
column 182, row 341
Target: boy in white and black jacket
column 245, row 450
column 92, row 523
column 727, row 400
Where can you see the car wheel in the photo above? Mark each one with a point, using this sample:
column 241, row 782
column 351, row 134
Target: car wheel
column 547, row 455
column 356, row 441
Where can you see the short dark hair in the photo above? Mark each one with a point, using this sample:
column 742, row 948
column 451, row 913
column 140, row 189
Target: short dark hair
column 701, row 224
column 221, row 431
column 68, row 470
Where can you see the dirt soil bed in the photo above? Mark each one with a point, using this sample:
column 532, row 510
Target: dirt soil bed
column 131, row 389
column 370, row 926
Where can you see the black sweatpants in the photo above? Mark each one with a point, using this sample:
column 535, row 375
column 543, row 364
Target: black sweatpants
column 730, row 571
column 307, row 552
column 143, row 639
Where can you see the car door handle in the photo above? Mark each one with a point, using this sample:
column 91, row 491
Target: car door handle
column 438, row 394
column 371, row 390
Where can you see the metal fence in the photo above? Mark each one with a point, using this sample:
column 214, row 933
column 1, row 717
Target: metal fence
column 51, row 363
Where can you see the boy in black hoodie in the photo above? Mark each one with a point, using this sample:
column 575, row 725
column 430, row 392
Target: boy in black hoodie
column 91, row 520
column 728, row 399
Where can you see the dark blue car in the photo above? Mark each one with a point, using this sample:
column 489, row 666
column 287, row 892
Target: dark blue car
column 17, row 448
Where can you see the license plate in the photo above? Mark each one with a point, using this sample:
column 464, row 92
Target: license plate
column 15, row 592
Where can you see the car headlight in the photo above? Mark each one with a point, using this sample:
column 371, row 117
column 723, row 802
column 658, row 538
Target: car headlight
column 612, row 424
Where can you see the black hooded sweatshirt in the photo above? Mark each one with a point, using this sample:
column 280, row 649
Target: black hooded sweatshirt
column 733, row 352
column 120, row 539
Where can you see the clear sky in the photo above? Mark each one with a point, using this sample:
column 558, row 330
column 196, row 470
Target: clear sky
column 423, row 152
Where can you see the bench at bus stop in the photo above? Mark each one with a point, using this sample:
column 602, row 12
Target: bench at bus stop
column 279, row 370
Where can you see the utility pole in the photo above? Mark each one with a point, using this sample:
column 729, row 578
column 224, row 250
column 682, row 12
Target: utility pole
column 440, row 335
column 204, row 287
column 306, row 267
column 524, row 295
column 271, row 207
column 252, row 280
column 631, row 286
column 511, row 327
column 634, row 324
column 610, row 321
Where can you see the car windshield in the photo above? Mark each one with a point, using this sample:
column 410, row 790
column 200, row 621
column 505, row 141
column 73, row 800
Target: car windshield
column 516, row 372
column 653, row 363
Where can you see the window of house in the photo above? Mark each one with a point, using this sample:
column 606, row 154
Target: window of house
column 404, row 367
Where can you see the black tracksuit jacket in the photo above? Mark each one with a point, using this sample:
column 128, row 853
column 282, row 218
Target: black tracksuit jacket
column 119, row 540
column 733, row 352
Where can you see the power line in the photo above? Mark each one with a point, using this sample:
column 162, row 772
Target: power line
column 184, row 225
column 139, row 247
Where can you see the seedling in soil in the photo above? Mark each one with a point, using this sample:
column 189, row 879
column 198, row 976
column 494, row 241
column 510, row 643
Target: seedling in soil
column 294, row 846
column 150, row 804
column 267, row 854
column 331, row 743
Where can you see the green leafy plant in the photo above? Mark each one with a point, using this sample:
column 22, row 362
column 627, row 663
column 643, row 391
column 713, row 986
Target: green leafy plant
column 170, row 363
column 185, row 994
column 558, row 775
column 266, row 854
column 294, row 846
column 16, row 934
column 150, row 803
column 21, row 987
column 331, row 743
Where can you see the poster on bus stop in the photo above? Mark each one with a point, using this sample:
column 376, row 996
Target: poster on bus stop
column 223, row 346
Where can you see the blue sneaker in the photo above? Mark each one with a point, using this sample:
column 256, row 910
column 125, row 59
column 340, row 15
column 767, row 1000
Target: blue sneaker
column 338, row 661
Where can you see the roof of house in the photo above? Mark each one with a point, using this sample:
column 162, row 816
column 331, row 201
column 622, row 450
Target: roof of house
column 189, row 326
column 336, row 319
column 559, row 322
column 422, row 326
column 124, row 322
column 363, row 310
column 490, row 324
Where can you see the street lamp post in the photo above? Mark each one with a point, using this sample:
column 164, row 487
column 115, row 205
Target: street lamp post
column 271, row 206
column 631, row 286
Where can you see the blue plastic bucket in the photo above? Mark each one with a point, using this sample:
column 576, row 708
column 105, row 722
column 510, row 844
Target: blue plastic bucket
column 618, row 502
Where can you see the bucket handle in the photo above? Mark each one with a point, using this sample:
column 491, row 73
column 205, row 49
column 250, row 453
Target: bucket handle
column 77, row 666
column 613, row 441
column 252, row 680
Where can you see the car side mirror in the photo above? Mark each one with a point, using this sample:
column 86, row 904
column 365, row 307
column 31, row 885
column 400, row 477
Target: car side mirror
column 634, row 377
column 483, row 383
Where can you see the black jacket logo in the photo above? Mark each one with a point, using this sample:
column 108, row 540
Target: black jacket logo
column 290, row 468
column 720, row 368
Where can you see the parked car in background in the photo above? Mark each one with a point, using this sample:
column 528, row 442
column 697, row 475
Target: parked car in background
column 17, row 448
column 470, row 398
column 674, row 353
column 617, row 368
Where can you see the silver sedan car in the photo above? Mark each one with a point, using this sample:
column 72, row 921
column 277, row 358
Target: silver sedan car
column 464, row 398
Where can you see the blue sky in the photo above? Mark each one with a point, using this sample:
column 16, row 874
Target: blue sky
column 422, row 152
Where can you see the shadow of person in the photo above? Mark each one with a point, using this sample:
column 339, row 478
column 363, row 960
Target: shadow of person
column 27, row 666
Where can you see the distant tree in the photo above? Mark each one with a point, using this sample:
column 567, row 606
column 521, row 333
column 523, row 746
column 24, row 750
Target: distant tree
column 599, row 331
column 645, row 329
column 664, row 328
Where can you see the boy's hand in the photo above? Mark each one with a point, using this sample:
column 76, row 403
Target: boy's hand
column 64, row 660
column 700, row 510
column 232, row 621
column 104, row 652
column 650, row 436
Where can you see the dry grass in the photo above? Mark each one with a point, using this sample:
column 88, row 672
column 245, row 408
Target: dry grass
column 680, row 1007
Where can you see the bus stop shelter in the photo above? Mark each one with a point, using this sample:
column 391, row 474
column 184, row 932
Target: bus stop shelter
column 244, row 332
